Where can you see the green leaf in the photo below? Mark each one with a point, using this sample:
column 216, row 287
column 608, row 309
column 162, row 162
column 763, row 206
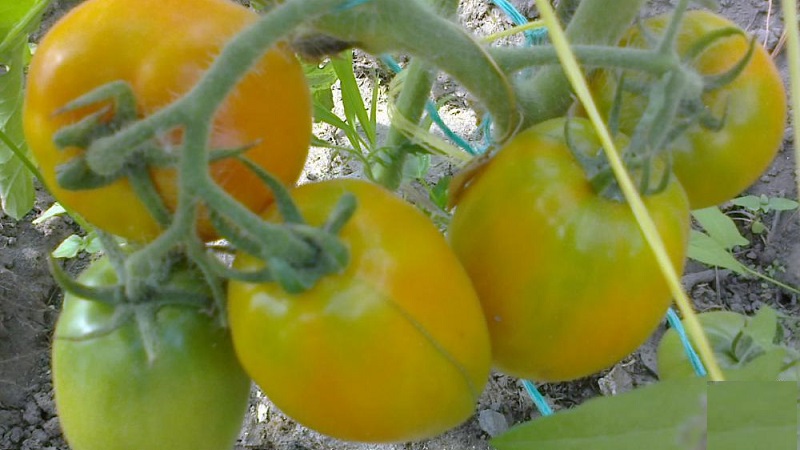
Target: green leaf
column 16, row 183
column 782, row 204
column 708, row 251
column 763, row 327
column 719, row 227
column 55, row 210
column 752, row 415
column 765, row 367
column 320, row 81
column 664, row 416
column 751, row 202
column 69, row 247
column 351, row 96
column 438, row 194
column 11, row 12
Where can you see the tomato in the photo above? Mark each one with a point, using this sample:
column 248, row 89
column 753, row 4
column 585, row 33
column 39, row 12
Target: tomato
column 193, row 396
column 395, row 348
column 566, row 280
column 162, row 47
column 715, row 166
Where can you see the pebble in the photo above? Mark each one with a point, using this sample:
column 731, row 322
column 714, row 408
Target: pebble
column 492, row 422
column 45, row 402
column 32, row 413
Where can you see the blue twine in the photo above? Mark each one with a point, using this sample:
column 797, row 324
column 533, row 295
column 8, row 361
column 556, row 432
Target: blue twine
column 675, row 323
column 534, row 37
column 350, row 4
column 538, row 398
column 430, row 108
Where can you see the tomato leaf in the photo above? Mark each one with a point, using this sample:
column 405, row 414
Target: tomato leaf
column 753, row 415
column 709, row 251
column 719, row 227
column 664, row 416
column 763, row 327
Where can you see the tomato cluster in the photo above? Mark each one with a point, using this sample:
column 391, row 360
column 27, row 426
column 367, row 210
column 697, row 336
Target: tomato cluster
column 544, row 273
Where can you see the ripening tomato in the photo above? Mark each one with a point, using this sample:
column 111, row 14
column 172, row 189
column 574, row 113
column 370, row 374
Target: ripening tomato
column 192, row 396
column 162, row 48
column 567, row 282
column 715, row 166
column 395, row 348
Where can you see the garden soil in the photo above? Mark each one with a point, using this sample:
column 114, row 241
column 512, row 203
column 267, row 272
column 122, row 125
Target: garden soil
column 30, row 299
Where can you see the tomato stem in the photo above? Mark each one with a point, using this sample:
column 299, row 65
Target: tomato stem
column 547, row 94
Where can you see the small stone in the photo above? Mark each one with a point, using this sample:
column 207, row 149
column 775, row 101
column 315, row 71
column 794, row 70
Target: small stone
column 39, row 437
column 616, row 382
column 15, row 435
column 32, row 413
column 52, row 427
column 46, row 403
column 492, row 422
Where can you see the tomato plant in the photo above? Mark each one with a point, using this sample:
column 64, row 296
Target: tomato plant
column 109, row 396
column 714, row 165
column 567, row 283
column 395, row 348
column 747, row 348
column 161, row 48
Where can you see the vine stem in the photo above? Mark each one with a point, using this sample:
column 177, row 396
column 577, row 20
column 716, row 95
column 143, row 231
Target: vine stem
column 636, row 203
column 793, row 53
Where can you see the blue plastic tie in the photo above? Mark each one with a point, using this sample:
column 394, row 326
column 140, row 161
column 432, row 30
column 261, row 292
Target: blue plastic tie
column 675, row 323
column 350, row 4
column 534, row 37
column 538, row 398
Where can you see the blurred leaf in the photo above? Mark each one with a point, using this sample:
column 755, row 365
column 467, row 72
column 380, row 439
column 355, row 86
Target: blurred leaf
column 763, row 327
column 665, row 416
column 719, row 227
column 752, row 415
column 782, row 204
column 55, row 210
column 438, row 194
column 751, row 202
column 69, row 247
column 708, row 251
column 416, row 165
column 320, row 81
column 16, row 182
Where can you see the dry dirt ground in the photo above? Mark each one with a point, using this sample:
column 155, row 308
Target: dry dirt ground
column 30, row 300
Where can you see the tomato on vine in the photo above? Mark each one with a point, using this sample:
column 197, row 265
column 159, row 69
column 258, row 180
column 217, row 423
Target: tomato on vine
column 713, row 161
column 565, row 278
column 395, row 348
column 161, row 49
column 110, row 396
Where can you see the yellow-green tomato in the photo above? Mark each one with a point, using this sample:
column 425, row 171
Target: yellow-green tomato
column 395, row 348
column 110, row 396
column 567, row 282
column 714, row 165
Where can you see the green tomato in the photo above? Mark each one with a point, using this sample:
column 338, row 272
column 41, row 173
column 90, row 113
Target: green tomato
column 192, row 396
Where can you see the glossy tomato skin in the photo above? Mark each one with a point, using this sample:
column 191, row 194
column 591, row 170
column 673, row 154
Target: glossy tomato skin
column 567, row 283
column 395, row 348
column 162, row 47
column 108, row 397
column 715, row 166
